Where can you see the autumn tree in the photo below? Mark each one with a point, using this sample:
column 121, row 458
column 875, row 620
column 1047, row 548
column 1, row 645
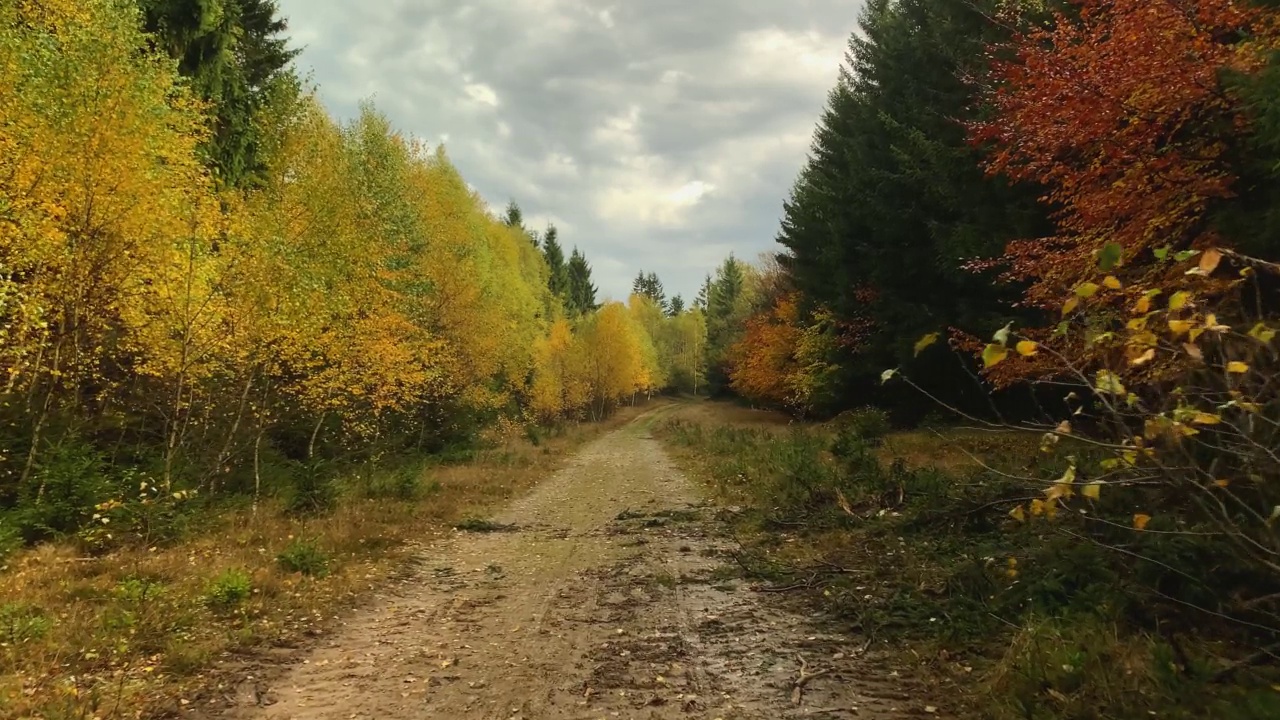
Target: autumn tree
column 1136, row 154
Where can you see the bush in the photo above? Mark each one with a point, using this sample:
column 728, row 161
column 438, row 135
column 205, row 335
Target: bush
column 228, row 590
column 867, row 425
column 22, row 623
column 304, row 556
column 69, row 479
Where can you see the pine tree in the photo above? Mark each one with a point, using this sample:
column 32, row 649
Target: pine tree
column 675, row 306
column 650, row 286
column 234, row 53
column 893, row 201
column 582, row 294
column 558, row 280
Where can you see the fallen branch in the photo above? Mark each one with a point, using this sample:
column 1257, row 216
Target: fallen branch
column 797, row 690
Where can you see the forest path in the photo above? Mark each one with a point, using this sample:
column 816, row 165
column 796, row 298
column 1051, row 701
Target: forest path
column 607, row 597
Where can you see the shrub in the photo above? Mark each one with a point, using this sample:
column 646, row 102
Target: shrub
column 868, row 425
column 228, row 590
column 304, row 556
column 22, row 623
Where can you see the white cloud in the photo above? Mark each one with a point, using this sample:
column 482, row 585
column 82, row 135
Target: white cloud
column 659, row 135
column 481, row 93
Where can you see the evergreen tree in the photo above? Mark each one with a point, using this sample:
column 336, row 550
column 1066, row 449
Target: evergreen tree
column 893, row 200
column 704, row 295
column 675, row 306
column 558, row 280
column 513, row 216
column 582, row 294
column 234, row 53
column 650, row 286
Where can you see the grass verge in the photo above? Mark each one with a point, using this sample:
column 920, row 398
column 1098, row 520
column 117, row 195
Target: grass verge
column 1023, row 620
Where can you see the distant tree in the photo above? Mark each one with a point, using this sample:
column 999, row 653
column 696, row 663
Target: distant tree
column 704, row 295
column 558, row 281
column 650, row 286
column 675, row 306
column 581, row 297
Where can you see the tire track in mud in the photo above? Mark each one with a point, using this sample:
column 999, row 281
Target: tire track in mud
column 608, row 599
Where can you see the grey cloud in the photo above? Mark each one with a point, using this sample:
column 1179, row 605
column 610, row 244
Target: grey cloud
column 661, row 134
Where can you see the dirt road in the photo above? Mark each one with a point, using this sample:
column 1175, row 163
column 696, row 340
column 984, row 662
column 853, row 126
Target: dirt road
column 607, row 597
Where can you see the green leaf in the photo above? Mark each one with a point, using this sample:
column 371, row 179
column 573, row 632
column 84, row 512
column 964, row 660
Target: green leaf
column 1002, row 335
column 1186, row 255
column 1110, row 256
column 993, row 354
column 1162, row 253
column 1087, row 290
column 925, row 342
column 1107, row 382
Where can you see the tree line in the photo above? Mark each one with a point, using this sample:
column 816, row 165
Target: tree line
column 976, row 160
column 203, row 274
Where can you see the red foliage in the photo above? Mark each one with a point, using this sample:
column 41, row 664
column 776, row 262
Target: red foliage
column 1121, row 115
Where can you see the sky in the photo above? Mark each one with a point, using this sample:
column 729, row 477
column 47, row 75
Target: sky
column 657, row 135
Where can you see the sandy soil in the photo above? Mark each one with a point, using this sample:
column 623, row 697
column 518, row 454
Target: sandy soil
column 608, row 596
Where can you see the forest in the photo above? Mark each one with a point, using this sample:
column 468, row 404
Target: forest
column 1041, row 236
column 1056, row 222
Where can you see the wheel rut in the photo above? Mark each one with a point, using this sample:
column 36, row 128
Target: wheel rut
column 608, row 598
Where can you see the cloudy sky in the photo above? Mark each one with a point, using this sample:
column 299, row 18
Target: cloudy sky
column 656, row 134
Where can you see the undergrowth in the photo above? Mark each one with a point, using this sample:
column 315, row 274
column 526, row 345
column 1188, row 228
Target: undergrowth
column 1057, row 621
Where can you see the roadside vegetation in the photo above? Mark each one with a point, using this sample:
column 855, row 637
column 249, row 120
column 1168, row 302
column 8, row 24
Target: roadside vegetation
column 909, row 539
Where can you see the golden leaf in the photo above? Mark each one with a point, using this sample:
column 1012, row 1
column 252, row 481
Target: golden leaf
column 1204, row 418
column 1140, row 520
column 1107, row 382
column 1222, row 483
column 1180, row 327
column 1018, row 514
column 1179, row 300
column 1092, row 490
column 1027, row 348
column 1211, row 323
column 1087, row 290
column 1144, row 358
column 1209, row 260
column 1143, row 306
column 925, row 342
column 1071, row 304
column 1237, row 368
column 1112, row 282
